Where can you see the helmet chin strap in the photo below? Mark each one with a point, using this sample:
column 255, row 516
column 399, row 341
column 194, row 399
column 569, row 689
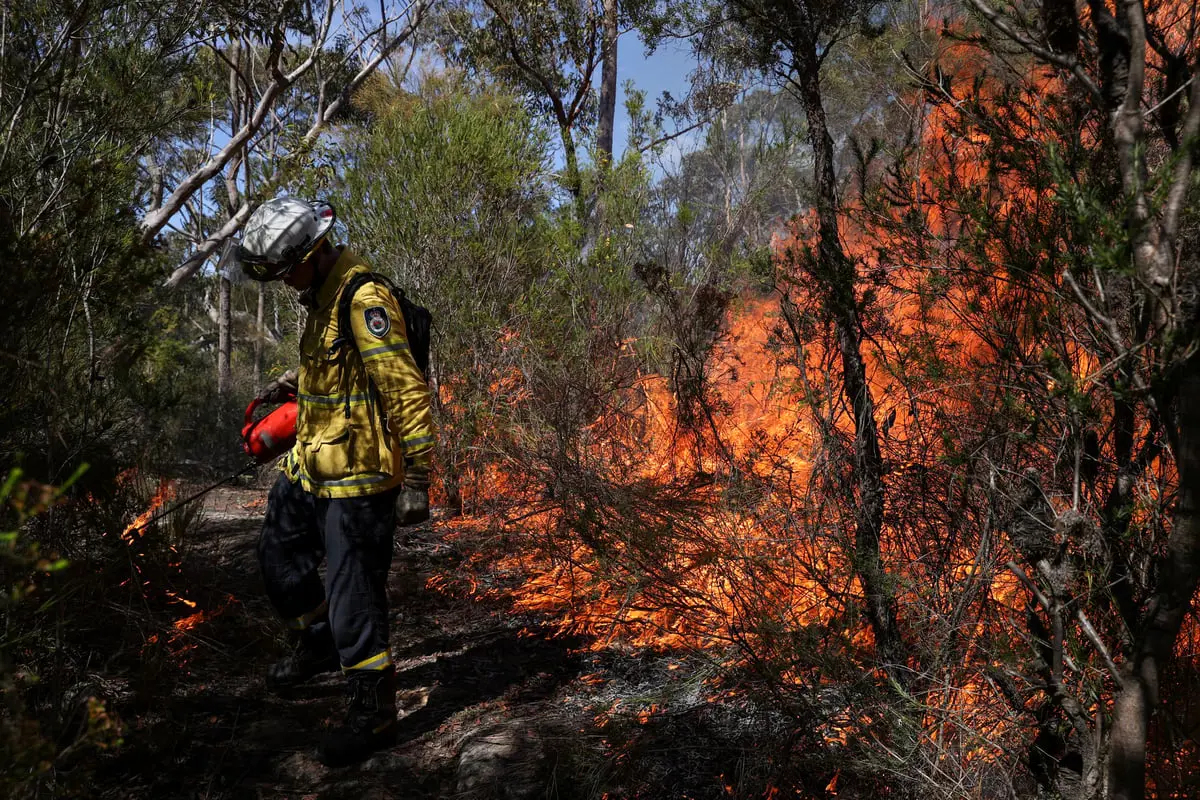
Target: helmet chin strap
column 308, row 297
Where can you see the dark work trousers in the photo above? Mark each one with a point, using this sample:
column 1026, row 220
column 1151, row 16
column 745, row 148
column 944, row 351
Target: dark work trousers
column 355, row 534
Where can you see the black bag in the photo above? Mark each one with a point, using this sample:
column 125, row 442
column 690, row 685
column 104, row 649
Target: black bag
column 418, row 322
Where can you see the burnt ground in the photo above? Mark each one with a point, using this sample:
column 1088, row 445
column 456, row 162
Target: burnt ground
column 490, row 706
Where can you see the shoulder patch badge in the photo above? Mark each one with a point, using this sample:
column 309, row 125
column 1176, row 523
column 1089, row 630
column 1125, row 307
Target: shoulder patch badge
column 377, row 321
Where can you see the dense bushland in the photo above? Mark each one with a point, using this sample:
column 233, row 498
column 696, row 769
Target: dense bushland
column 873, row 390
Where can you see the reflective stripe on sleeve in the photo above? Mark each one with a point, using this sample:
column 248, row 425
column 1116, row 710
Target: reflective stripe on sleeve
column 330, row 399
column 376, row 352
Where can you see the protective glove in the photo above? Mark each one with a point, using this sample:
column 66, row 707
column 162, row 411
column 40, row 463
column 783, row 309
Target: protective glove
column 282, row 388
column 412, row 505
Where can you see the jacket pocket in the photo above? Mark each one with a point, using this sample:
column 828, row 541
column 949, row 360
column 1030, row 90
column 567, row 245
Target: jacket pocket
column 329, row 456
column 341, row 453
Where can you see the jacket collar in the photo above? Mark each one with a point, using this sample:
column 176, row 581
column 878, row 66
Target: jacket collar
column 329, row 289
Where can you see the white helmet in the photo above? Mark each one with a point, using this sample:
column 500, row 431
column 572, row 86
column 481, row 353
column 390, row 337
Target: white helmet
column 280, row 234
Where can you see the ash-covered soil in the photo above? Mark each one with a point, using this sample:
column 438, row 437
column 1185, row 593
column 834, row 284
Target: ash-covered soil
column 491, row 707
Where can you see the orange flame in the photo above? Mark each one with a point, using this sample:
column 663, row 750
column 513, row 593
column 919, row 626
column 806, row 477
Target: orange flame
column 749, row 571
column 164, row 493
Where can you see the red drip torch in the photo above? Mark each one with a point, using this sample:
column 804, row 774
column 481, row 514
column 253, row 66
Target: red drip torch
column 273, row 434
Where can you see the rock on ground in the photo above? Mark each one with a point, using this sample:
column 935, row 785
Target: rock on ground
column 507, row 761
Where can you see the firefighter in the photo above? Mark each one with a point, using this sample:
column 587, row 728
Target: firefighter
column 364, row 434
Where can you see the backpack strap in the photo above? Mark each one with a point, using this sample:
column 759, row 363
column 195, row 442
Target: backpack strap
column 418, row 324
column 345, row 338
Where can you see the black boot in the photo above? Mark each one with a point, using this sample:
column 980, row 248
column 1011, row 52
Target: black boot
column 313, row 654
column 370, row 722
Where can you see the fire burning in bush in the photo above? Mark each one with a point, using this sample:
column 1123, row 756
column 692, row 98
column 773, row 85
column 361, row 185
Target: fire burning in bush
column 737, row 528
column 162, row 495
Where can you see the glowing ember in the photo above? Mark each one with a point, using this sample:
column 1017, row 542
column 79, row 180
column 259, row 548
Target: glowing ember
column 191, row 621
column 181, row 599
column 646, row 713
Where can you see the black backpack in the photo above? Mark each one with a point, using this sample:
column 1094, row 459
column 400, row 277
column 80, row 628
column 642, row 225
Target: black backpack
column 418, row 322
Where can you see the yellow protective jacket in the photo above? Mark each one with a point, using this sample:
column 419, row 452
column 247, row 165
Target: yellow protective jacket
column 340, row 453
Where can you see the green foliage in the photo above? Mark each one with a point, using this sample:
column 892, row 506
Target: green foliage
column 98, row 358
column 1096, row 225
column 446, row 192
column 557, row 40
column 544, row 53
column 21, row 501
column 449, row 191
column 27, row 751
column 84, row 365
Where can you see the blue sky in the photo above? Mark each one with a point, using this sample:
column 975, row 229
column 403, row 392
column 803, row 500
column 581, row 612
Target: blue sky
column 666, row 70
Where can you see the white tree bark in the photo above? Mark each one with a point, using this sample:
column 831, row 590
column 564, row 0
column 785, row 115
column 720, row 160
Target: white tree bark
column 374, row 47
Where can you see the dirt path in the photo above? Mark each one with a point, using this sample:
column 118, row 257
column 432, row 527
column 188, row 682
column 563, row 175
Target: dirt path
column 469, row 679
column 490, row 709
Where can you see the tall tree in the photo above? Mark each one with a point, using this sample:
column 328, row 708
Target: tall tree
column 609, row 33
column 88, row 90
column 550, row 54
column 306, row 68
column 790, row 42
column 1150, row 332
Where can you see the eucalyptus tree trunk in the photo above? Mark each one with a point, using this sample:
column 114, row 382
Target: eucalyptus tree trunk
column 608, row 81
column 835, row 273
column 224, row 307
column 1156, row 258
column 260, row 330
column 1179, row 576
column 224, row 348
